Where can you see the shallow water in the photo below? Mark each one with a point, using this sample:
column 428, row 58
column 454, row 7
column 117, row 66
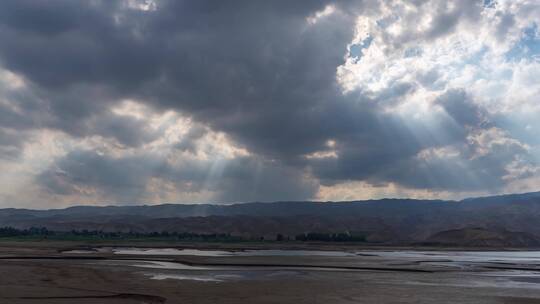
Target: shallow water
column 161, row 270
column 171, row 251
column 222, row 277
column 449, row 258
column 528, row 257
column 163, row 276
column 465, row 268
column 219, row 253
column 170, row 265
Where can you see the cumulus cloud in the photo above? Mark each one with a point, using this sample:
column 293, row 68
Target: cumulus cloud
column 153, row 101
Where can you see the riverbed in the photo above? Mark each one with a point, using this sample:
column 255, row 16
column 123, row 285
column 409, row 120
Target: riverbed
column 132, row 274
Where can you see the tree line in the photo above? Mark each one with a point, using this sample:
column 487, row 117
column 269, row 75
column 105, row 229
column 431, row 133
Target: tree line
column 330, row 237
column 98, row 234
column 43, row 232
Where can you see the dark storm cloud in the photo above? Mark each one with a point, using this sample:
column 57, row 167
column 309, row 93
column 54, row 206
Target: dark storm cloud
column 255, row 70
column 62, row 43
column 126, row 130
column 461, row 108
column 120, row 178
column 125, row 179
column 77, row 112
column 244, row 67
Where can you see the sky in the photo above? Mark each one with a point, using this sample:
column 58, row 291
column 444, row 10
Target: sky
column 147, row 102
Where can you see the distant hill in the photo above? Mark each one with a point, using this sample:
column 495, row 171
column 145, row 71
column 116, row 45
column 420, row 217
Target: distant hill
column 252, row 209
column 386, row 220
column 481, row 237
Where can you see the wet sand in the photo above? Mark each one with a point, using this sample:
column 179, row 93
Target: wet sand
column 46, row 273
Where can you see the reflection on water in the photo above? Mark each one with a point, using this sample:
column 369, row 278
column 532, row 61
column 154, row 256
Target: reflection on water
column 160, row 270
column 460, row 256
column 295, row 253
column 455, row 256
column 218, row 253
column 213, row 277
column 168, row 265
column 171, row 251
column 163, row 276
column 224, row 275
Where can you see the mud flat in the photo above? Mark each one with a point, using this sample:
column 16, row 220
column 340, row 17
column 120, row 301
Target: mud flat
column 64, row 273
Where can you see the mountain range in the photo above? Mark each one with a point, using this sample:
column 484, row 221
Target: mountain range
column 507, row 220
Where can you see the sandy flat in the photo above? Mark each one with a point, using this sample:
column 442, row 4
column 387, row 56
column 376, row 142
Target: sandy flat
column 42, row 273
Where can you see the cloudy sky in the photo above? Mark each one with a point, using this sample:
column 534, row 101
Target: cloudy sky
column 131, row 102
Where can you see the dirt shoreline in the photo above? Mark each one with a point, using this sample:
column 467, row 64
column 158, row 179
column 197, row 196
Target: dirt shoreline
column 239, row 246
column 43, row 273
